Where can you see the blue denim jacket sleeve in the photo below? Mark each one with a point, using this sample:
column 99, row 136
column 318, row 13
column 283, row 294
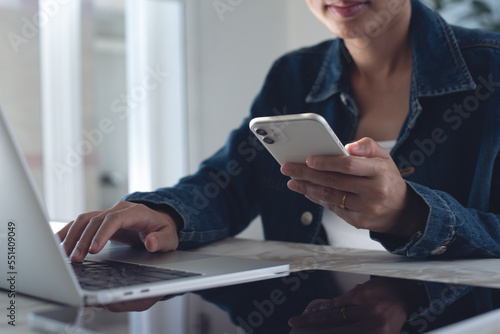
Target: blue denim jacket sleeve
column 452, row 230
column 214, row 203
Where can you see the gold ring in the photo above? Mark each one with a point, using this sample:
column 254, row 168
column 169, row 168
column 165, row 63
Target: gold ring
column 343, row 311
column 342, row 206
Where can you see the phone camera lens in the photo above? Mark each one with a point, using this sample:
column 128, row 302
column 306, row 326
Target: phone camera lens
column 261, row 132
column 268, row 140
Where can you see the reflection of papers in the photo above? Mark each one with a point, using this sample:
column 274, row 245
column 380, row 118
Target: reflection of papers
column 314, row 330
column 91, row 320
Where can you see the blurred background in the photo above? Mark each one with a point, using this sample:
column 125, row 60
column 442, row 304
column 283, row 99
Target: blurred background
column 107, row 97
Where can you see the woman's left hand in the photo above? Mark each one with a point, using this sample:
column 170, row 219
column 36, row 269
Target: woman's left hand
column 366, row 189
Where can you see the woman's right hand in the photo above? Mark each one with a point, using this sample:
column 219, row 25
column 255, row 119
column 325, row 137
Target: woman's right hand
column 380, row 305
column 126, row 222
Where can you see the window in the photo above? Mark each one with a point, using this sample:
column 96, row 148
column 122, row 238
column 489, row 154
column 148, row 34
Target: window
column 113, row 100
column 19, row 82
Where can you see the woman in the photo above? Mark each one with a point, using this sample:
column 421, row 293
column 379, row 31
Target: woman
column 398, row 73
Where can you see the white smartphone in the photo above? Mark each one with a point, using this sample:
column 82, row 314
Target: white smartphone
column 294, row 138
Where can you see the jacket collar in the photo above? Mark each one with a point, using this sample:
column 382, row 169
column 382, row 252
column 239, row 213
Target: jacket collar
column 438, row 65
column 334, row 67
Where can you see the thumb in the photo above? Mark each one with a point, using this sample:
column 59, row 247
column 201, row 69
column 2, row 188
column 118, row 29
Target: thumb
column 163, row 240
column 367, row 147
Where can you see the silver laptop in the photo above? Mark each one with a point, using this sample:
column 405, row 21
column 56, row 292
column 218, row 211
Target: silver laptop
column 34, row 263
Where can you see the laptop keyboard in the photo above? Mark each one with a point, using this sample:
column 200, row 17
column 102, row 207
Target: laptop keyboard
column 97, row 275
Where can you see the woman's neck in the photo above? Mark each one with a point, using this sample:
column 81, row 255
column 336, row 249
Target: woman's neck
column 387, row 52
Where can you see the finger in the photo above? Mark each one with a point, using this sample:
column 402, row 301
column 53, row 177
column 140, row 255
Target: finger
column 353, row 218
column 127, row 237
column 349, row 165
column 330, row 304
column 78, row 232
column 347, row 299
column 75, row 231
column 320, row 318
column 367, row 147
column 163, row 240
column 112, row 223
column 361, row 162
column 329, row 317
column 61, row 234
column 325, row 178
column 82, row 246
column 321, row 306
column 138, row 218
column 327, row 197
column 353, row 211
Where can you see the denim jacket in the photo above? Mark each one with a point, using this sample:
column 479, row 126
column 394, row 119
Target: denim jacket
column 447, row 149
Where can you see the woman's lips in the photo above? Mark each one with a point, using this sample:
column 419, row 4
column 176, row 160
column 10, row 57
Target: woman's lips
column 347, row 9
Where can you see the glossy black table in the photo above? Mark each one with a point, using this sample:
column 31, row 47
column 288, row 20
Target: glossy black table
column 337, row 303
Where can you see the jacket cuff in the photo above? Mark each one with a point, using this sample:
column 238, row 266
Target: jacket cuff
column 438, row 234
column 189, row 231
column 158, row 204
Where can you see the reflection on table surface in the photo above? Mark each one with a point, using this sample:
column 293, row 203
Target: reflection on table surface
column 303, row 302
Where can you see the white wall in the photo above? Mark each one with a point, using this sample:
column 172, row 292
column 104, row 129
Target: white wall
column 229, row 56
column 20, row 83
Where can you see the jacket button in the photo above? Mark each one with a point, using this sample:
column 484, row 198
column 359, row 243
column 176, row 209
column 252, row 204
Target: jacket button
column 438, row 251
column 306, row 218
